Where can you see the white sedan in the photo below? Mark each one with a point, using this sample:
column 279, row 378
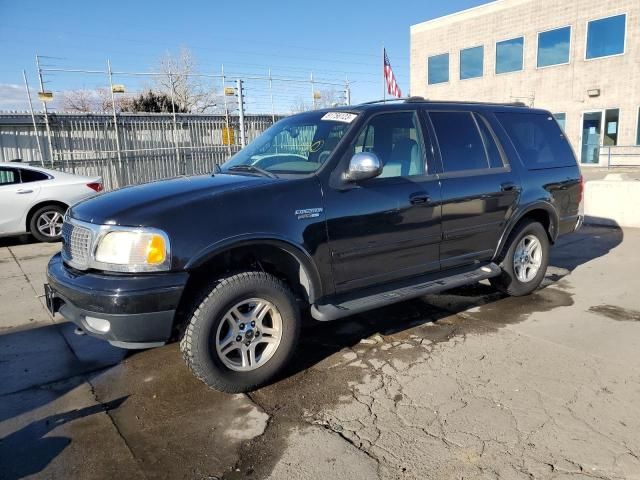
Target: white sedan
column 34, row 200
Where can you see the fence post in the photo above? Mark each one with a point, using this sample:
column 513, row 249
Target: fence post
column 33, row 117
column 175, row 127
column 609, row 158
column 121, row 168
column 46, row 111
column 347, row 92
column 226, row 112
column 313, row 92
column 241, row 111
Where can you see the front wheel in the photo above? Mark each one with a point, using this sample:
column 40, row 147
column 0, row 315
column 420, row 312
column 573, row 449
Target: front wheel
column 243, row 333
column 524, row 263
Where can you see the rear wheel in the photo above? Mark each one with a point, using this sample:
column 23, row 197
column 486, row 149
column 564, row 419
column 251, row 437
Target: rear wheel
column 525, row 260
column 243, row 333
column 46, row 223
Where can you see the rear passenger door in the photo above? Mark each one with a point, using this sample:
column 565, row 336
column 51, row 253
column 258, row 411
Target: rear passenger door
column 478, row 187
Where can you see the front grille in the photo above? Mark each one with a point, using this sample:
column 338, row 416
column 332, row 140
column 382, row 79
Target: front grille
column 76, row 245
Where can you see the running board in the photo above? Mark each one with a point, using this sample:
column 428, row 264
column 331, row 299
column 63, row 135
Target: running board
column 330, row 311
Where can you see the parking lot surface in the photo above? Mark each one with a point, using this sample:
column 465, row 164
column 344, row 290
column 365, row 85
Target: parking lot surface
column 467, row 384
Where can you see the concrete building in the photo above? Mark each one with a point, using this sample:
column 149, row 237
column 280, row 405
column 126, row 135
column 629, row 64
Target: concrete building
column 578, row 58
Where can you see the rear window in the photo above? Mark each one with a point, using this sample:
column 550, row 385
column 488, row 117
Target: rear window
column 32, row 176
column 538, row 139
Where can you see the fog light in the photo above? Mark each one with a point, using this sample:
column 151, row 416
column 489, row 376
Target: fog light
column 98, row 324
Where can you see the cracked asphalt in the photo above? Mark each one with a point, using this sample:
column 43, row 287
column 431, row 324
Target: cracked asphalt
column 467, row 384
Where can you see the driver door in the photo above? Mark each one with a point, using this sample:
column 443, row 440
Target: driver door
column 386, row 228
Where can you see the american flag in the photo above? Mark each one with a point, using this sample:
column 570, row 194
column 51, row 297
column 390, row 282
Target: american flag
column 390, row 79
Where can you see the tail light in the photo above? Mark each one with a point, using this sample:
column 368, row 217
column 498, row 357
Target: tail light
column 581, row 188
column 95, row 186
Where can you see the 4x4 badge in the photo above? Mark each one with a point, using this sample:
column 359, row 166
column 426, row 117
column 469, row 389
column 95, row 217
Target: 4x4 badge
column 308, row 213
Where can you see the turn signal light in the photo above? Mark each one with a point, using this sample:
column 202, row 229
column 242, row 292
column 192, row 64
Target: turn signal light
column 156, row 250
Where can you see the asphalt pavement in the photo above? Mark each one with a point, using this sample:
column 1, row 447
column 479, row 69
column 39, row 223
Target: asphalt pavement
column 467, row 384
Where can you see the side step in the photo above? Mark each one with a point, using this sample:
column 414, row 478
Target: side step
column 419, row 287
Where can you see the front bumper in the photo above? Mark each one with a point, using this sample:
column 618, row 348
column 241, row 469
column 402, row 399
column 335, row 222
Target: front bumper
column 140, row 308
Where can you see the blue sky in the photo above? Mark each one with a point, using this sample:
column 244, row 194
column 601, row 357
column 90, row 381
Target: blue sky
column 333, row 39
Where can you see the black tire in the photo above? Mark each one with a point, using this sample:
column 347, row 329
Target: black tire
column 36, row 218
column 198, row 342
column 508, row 281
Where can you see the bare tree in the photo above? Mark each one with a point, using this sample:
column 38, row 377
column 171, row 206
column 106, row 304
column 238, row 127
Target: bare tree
column 300, row 105
column 330, row 97
column 191, row 93
column 79, row 101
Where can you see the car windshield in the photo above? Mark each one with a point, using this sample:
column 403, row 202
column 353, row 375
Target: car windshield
column 295, row 145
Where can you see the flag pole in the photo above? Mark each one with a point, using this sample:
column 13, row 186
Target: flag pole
column 384, row 78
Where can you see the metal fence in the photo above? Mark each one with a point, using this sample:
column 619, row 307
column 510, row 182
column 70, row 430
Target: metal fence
column 144, row 147
column 618, row 155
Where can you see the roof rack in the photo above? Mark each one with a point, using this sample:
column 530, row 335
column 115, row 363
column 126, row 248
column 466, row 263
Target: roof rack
column 417, row 99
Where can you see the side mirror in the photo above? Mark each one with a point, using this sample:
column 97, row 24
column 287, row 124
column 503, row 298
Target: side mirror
column 363, row 165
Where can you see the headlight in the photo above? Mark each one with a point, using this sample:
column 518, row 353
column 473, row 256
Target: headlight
column 135, row 250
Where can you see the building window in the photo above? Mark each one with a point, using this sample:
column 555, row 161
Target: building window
column 553, row 47
column 509, row 55
column 561, row 118
column 611, row 119
column 438, row 69
column 606, row 37
column 471, row 62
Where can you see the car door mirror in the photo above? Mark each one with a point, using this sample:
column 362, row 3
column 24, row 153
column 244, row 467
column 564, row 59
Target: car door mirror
column 363, row 165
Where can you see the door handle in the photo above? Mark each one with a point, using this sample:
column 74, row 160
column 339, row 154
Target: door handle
column 23, row 191
column 508, row 187
column 419, row 199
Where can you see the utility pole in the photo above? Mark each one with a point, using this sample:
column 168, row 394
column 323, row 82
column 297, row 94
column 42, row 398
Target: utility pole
column 46, row 111
column 241, row 111
column 115, row 124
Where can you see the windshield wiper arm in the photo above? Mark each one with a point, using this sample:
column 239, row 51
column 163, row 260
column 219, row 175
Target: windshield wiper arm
column 252, row 169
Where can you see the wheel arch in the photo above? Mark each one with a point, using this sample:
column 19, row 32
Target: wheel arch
column 38, row 206
column 542, row 212
column 272, row 254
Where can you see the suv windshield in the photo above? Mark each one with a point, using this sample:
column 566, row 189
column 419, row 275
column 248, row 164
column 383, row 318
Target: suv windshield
column 296, row 145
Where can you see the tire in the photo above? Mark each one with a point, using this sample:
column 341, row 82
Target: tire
column 509, row 281
column 46, row 223
column 211, row 324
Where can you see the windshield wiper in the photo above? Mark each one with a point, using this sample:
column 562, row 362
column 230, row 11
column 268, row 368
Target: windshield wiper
column 252, row 169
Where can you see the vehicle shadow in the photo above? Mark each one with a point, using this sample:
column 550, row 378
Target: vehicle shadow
column 15, row 240
column 320, row 340
column 29, row 450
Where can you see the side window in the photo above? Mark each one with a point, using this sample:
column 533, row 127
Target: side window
column 397, row 141
column 461, row 145
column 538, row 140
column 9, row 176
column 32, row 176
column 493, row 152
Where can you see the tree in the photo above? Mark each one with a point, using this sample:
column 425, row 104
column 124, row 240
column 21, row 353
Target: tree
column 328, row 98
column 87, row 101
column 192, row 93
column 153, row 102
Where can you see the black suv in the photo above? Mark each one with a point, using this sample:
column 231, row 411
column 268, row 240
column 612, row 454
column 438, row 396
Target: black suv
column 331, row 212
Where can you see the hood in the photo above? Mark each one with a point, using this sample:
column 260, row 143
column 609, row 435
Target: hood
column 143, row 205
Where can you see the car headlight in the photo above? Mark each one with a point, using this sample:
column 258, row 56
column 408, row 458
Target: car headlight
column 135, row 250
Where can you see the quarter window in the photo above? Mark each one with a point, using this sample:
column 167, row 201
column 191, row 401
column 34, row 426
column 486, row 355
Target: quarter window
column 460, row 141
column 9, row 176
column 471, row 62
column 538, row 140
column 553, row 47
column 561, row 118
column 606, row 37
column 31, row 175
column 509, row 55
column 438, row 69
column 396, row 140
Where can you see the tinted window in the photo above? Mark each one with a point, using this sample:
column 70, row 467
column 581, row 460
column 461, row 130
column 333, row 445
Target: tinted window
column 471, row 62
column 438, row 69
column 553, row 47
column 31, row 175
column 509, row 55
column 538, row 139
column 606, row 36
column 8, row 176
column 460, row 142
column 395, row 138
column 493, row 153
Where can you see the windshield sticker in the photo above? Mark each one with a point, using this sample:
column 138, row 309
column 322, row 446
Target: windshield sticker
column 340, row 117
